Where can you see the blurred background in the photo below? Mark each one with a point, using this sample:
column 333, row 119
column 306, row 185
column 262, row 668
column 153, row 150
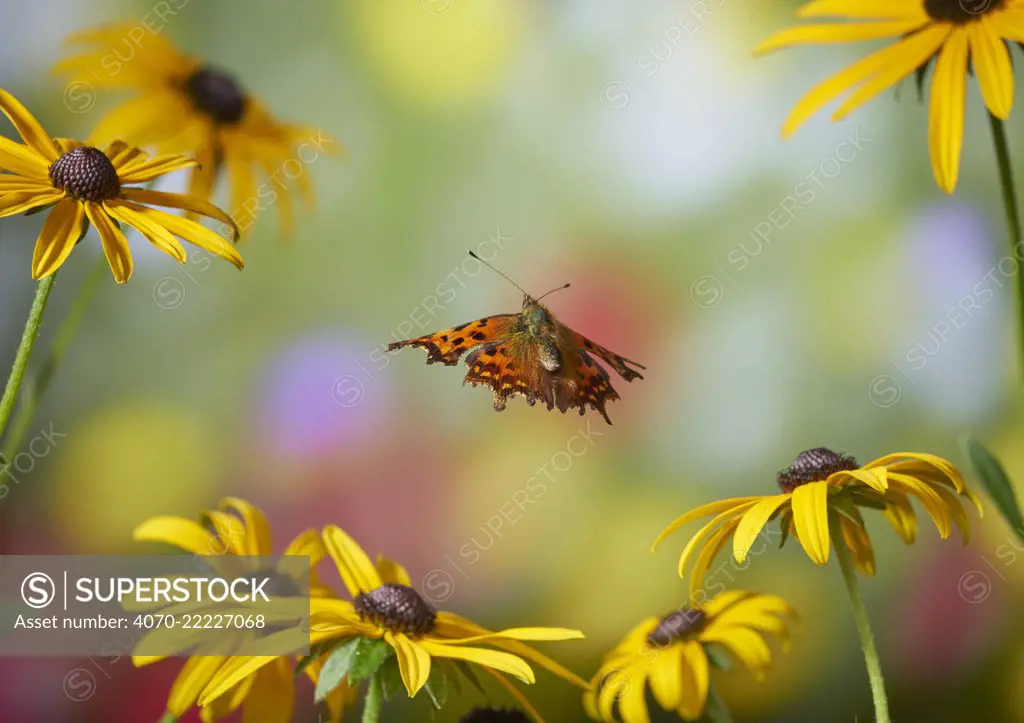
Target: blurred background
column 783, row 296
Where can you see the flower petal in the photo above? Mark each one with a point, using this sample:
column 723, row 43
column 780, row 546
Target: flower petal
column 496, row 659
column 115, row 245
column 752, row 522
column 697, row 676
column 140, row 171
column 703, row 533
column 195, row 675
column 391, row 571
column 357, row 572
column 933, row 503
column 23, row 160
column 258, row 538
column 11, row 204
column 946, row 114
column 991, row 61
column 707, row 555
column 233, row 672
column 859, row 544
column 28, row 127
column 810, row 513
column 308, row 543
column 190, row 231
column 839, row 33
column 863, row 9
column 178, row 200
column 156, row 234
column 666, row 676
column 413, row 661
column 180, row 532
column 61, row 231
column 712, row 508
column 272, row 696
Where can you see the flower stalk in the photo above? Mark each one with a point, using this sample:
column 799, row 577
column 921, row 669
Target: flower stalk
column 1012, row 215
column 28, row 341
column 717, row 710
column 374, row 700
column 860, row 616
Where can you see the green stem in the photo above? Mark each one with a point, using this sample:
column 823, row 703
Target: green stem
column 717, row 711
column 1012, row 214
column 36, row 387
column 28, row 340
column 860, row 616
column 374, row 700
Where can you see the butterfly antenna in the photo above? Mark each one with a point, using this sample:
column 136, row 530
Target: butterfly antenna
column 499, row 273
column 553, row 291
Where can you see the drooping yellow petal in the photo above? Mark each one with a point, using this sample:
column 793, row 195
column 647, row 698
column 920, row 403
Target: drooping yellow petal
column 827, row 91
column 703, row 533
column 180, row 532
column 712, row 508
column 245, row 207
column 499, row 660
column 413, row 661
column 752, row 522
column 838, row 33
column 707, row 555
column 746, row 645
column 233, row 672
column 28, row 127
column 61, row 231
column 195, row 675
column 864, row 9
column 516, row 694
column 665, row 677
column 391, row 571
column 190, row 231
column 258, row 540
column 633, row 702
column 307, row 543
column 810, row 513
column 697, row 681
column 115, row 245
column 933, row 503
column 357, row 572
column 859, row 544
column 946, row 112
column 991, row 61
column 901, row 516
column 228, row 703
column 272, row 696
column 23, row 160
column 722, row 602
column 177, row 200
column 141, row 119
column 156, row 234
column 534, row 635
column 876, row 478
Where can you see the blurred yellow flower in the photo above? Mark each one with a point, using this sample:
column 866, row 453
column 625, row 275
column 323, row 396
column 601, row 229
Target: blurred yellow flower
column 86, row 185
column 670, row 655
column 965, row 36
column 185, row 105
column 386, row 607
column 268, row 693
column 821, row 484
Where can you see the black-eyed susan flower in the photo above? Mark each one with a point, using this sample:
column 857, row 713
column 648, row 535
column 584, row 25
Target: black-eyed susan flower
column 85, row 185
column 385, row 607
column 821, row 483
column 961, row 36
column 669, row 656
column 239, row 528
column 184, row 105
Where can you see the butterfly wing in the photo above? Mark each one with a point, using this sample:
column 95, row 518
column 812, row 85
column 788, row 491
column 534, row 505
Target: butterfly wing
column 616, row 362
column 448, row 346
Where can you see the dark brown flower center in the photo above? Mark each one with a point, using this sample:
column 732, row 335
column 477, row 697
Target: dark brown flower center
column 87, row 174
column 814, row 465
column 494, row 715
column 398, row 608
column 683, row 624
column 216, row 93
column 960, row 11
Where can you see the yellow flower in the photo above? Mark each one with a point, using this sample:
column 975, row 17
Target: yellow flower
column 821, row 484
column 237, row 528
column 88, row 186
column 670, row 654
column 964, row 35
column 182, row 104
column 385, row 606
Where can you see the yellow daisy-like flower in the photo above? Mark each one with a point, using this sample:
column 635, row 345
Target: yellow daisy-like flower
column 385, row 606
column 964, row 35
column 88, row 186
column 669, row 654
column 268, row 694
column 822, row 484
column 182, row 104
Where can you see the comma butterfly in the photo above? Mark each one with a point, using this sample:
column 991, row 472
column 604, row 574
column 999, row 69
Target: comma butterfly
column 531, row 354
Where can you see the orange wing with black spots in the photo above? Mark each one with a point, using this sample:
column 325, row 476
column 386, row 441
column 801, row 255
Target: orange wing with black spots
column 616, row 362
column 509, row 369
column 448, row 346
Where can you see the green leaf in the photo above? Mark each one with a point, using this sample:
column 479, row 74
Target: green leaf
column 391, row 677
column 314, row 653
column 437, row 686
column 993, row 478
column 370, row 655
column 784, row 529
column 718, row 658
column 453, row 673
column 337, row 666
column 844, row 505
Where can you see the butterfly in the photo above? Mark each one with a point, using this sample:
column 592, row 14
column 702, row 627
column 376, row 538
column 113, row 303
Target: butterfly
column 531, row 354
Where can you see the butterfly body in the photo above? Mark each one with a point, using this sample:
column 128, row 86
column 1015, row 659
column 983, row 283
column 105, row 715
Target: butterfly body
column 530, row 354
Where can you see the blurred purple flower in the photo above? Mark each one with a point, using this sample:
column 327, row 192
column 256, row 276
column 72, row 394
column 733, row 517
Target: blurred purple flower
column 320, row 394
